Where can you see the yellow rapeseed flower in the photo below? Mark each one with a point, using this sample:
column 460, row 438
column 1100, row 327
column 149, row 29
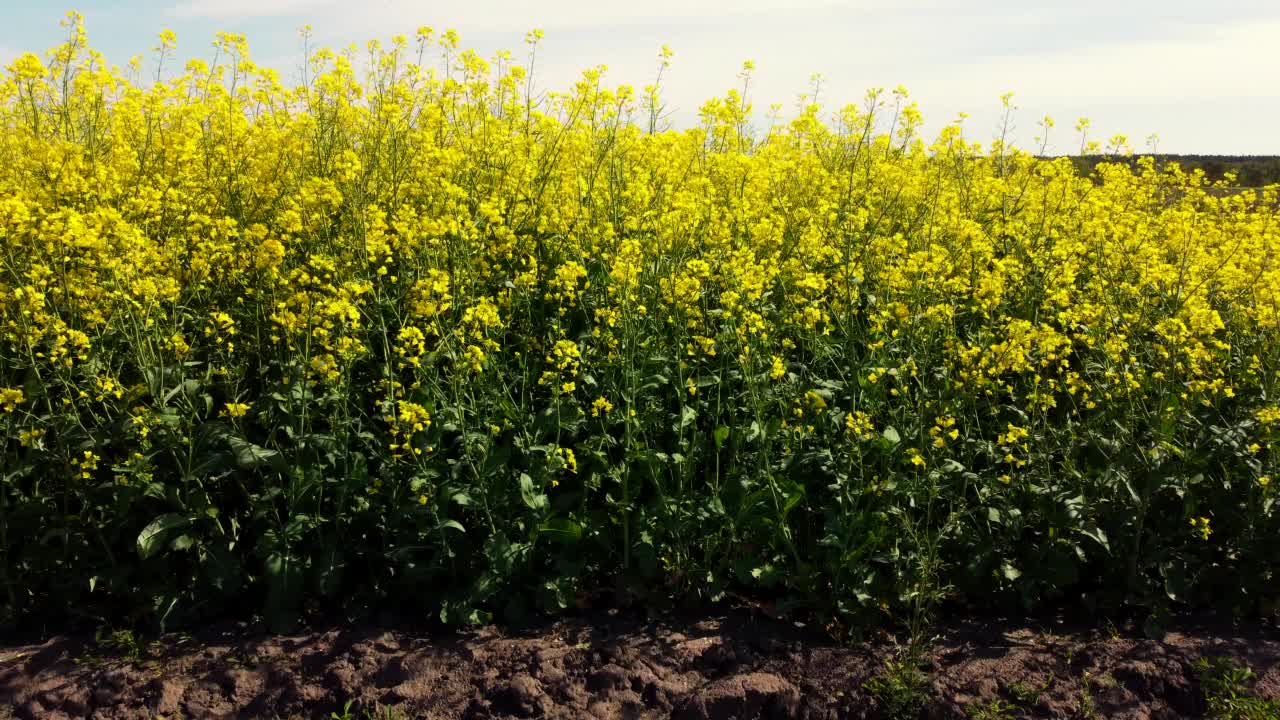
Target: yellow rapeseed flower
column 11, row 398
column 237, row 410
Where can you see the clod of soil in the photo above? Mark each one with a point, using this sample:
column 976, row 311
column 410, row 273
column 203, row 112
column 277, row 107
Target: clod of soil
column 603, row 666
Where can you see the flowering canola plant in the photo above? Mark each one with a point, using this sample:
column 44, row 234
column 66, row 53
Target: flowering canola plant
column 411, row 329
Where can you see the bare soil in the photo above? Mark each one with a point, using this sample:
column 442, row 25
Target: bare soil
column 620, row 665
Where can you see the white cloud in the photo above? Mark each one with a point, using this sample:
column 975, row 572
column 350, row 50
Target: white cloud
column 514, row 15
column 1219, row 62
column 1181, row 68
column 236, row 9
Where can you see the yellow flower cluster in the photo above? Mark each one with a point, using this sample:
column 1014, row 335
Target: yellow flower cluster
column 11, row 398
column 944, row 429
column 394, row 239
column 407, row 421
column 1200, row 526
column 858, row 424
column 601, row 406
column 237, row 410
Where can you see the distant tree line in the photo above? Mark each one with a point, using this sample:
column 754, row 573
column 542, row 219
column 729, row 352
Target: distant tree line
column 1250, row 170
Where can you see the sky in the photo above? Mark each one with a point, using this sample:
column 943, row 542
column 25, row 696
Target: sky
column 1199, row 75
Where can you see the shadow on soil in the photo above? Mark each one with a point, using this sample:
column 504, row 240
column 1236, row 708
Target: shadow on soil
column 608, row 665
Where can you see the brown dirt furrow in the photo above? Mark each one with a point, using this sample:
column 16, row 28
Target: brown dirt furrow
column 607, row 666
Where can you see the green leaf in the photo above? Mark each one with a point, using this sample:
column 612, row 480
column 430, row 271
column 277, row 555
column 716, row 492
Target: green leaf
column 188, row 387
column 250, row 456
column 1098, row 536
column 532, row 498
column 329, row 574
column 792, row 499
column 1133, row 492
column 451, row 525
column 562, row 528
column 222, row 567
column 322, row 441
column 721, row 434
column 653, row 382
column 284, row 580
column 154, row 534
